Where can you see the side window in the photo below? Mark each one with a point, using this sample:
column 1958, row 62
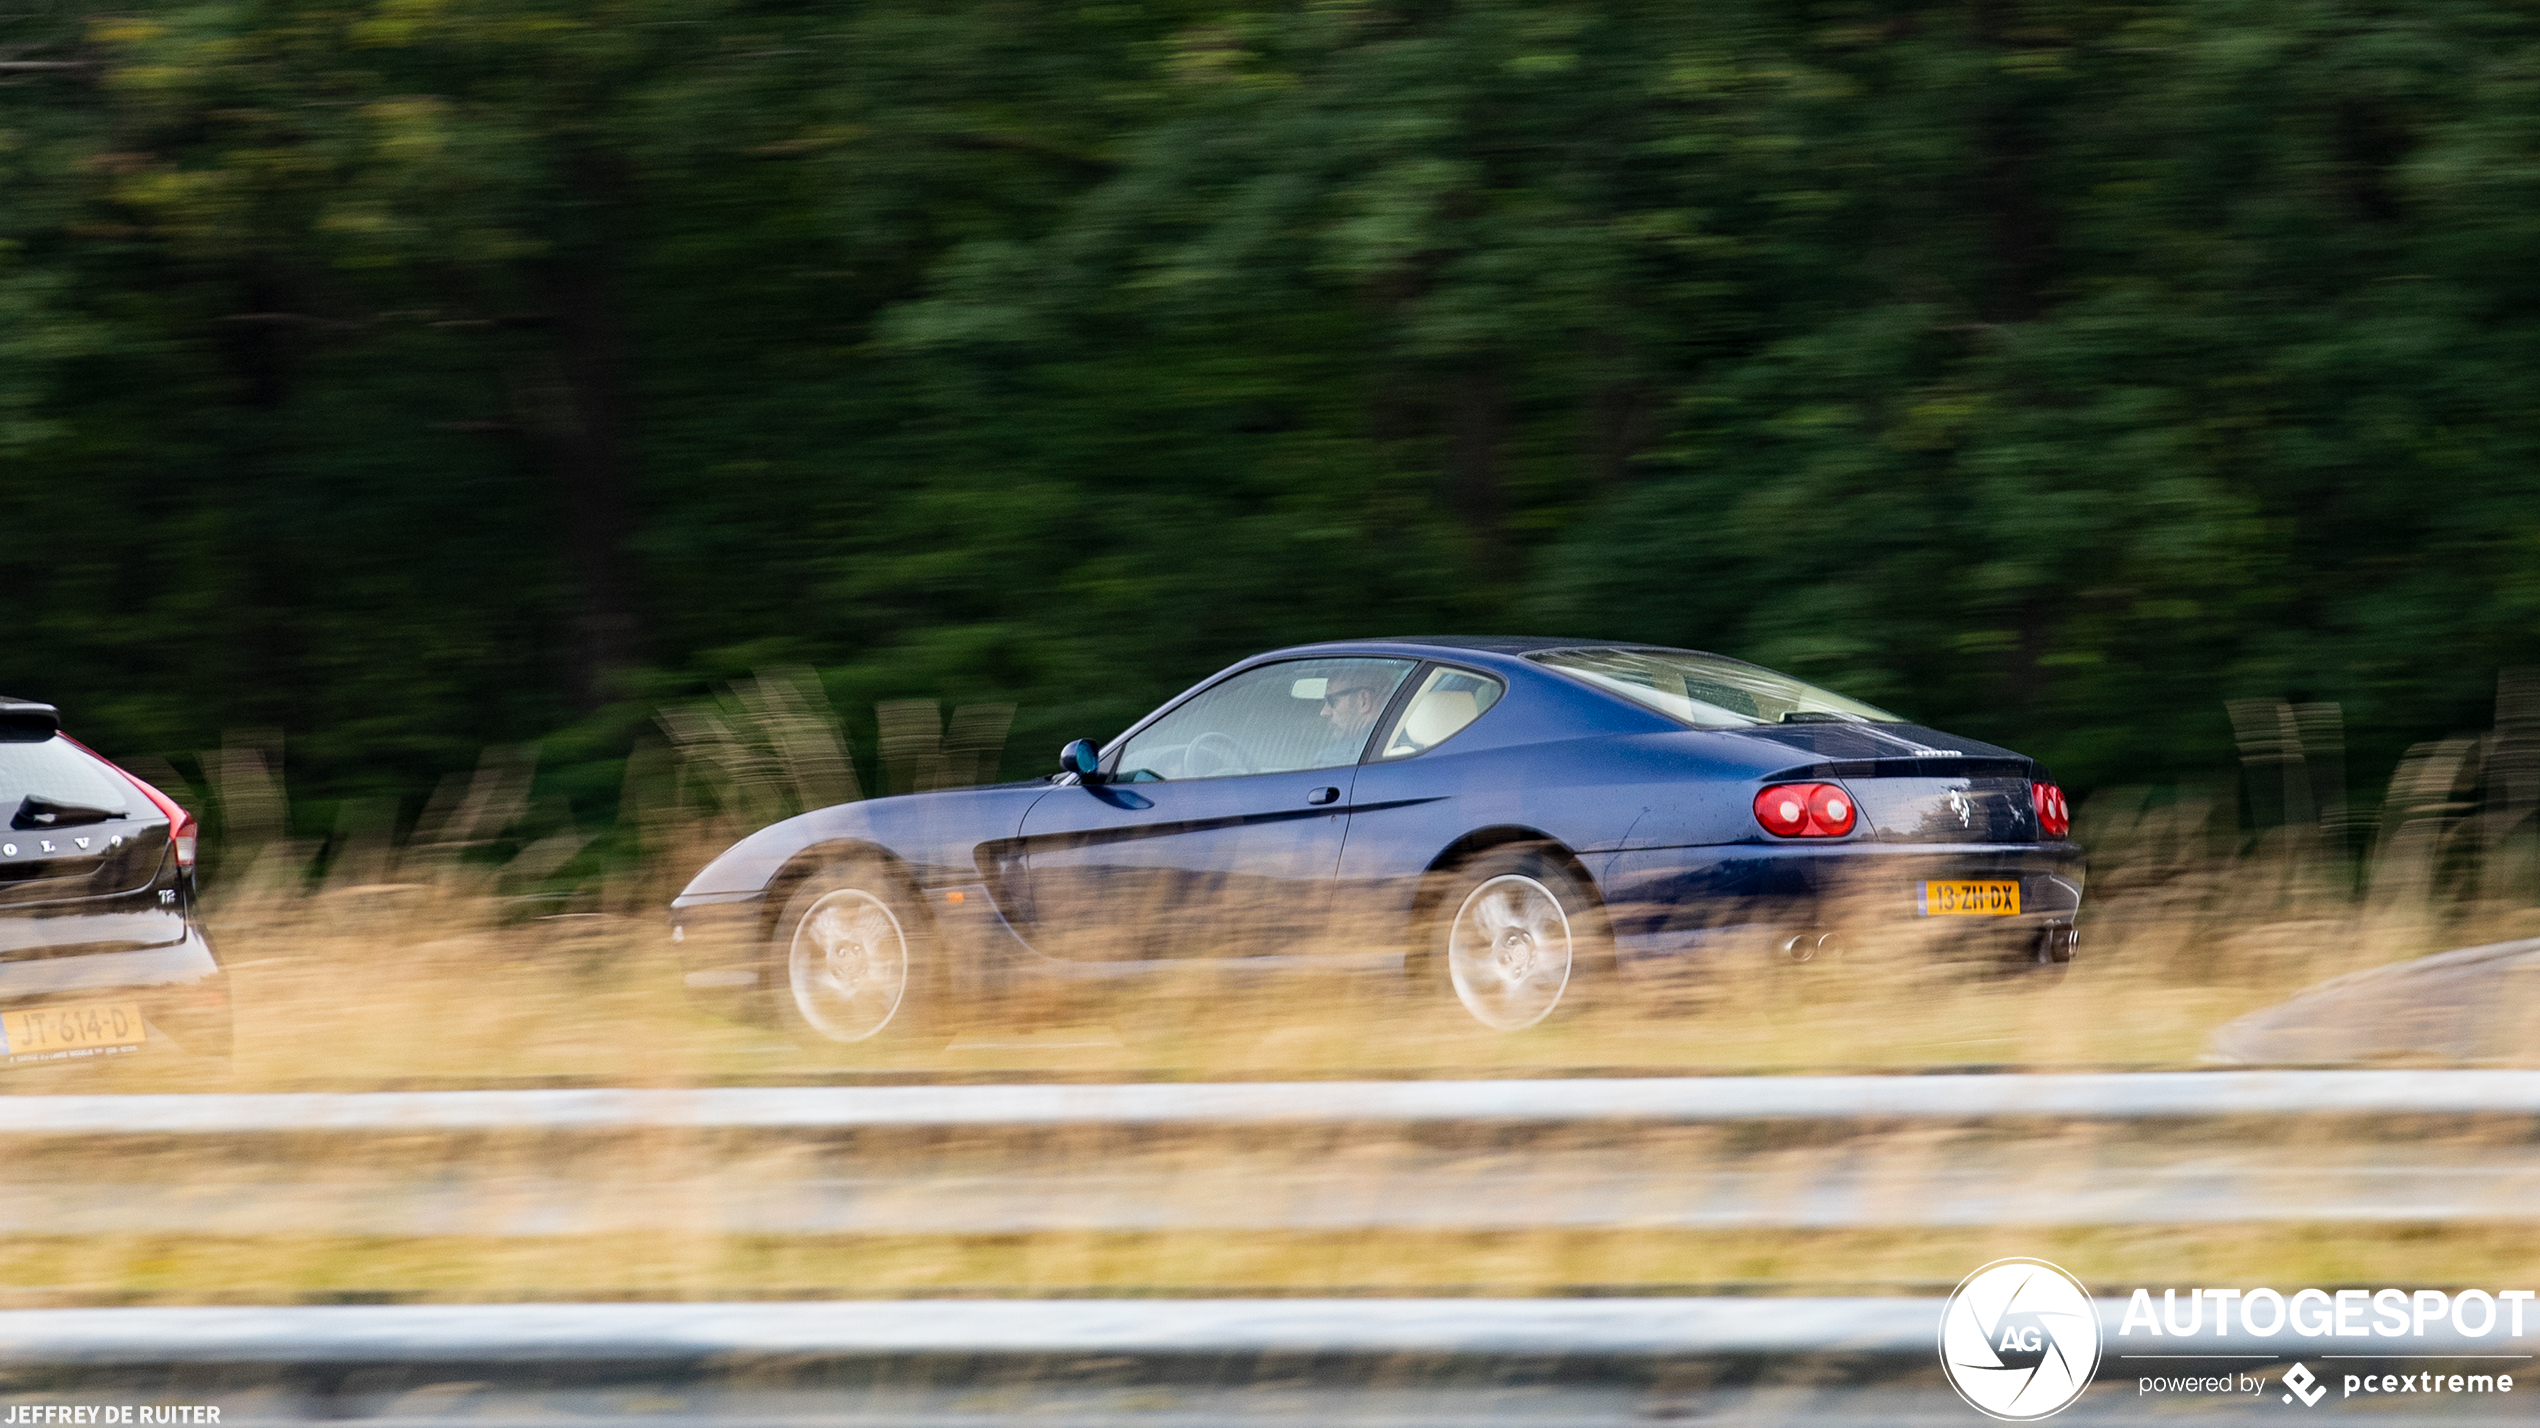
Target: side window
column 1448, row 700
column 1298, row 714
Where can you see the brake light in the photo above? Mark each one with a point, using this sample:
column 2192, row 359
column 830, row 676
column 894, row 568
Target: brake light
column 1805, row 810
column 2054, row 818
column 181, row 829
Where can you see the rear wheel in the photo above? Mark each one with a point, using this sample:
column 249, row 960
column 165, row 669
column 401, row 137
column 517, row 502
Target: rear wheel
column 1517, row 935
column 853, row 959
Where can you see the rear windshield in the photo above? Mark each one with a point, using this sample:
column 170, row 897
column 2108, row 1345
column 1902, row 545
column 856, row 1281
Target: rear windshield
column 1708, row 691
column 55, row 771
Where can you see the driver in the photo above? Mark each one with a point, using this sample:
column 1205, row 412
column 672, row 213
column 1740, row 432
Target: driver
column 1350, row 704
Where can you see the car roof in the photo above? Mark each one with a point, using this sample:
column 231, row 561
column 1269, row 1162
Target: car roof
column 1482, row 644
column 19, row 716
column 1494, row 644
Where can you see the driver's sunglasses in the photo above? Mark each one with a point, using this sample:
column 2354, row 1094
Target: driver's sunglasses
column 1337, row 695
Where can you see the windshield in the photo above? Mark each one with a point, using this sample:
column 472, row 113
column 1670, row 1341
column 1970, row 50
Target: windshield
column 1708, row 691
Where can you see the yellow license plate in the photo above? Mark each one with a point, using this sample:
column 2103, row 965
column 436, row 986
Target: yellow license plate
column 40, row 1032
column 1971, row 899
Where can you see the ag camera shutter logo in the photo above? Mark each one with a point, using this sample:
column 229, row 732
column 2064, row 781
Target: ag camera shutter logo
column 2019, row 1340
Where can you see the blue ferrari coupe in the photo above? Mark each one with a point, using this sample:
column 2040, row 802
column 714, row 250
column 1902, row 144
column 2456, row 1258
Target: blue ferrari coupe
column 1494, row 821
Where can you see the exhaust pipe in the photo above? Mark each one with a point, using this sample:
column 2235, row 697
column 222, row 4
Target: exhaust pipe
column 1812, row 947
column 2055, row 945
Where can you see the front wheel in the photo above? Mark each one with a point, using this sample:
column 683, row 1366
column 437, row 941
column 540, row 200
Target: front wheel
column 1518, row 934
column 853, row 961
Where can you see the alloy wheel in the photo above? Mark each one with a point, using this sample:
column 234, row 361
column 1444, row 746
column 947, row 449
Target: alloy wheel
column 848, row 965
column 1509, row 952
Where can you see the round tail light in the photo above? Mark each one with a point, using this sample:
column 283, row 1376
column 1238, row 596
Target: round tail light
column 1783, row 810
column 1831, row 808
column 2054, row 816
column 1805, row 810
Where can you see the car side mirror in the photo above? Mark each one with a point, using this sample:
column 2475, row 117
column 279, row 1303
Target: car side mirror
column 1083, row 758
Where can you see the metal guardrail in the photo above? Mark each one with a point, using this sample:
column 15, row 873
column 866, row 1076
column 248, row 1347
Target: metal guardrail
column 1411, row 1166
column 687, row 1333
column 1673, row 1100
column 734, row 1333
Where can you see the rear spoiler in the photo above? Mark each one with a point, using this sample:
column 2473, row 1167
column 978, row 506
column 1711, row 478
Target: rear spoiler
column 1971, row 766
column 25, row 722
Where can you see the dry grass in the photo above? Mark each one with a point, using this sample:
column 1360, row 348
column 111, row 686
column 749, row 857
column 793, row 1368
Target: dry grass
column 195, row 1270
column 472, row 952
column 358, row 989
column 364, row 997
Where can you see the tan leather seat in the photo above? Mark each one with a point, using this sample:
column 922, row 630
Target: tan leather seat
column 1435, row 715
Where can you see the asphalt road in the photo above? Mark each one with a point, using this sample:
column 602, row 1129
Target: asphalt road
column 1286, row 1405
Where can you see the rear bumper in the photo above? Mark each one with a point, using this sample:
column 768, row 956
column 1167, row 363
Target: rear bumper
column 1667, row 900
column 178, row 964
column 182, row 991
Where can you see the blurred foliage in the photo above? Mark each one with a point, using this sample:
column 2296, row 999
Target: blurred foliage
column 418, row 375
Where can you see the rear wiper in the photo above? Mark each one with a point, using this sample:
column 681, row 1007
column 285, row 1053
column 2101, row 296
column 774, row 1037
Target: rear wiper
column 37, row 811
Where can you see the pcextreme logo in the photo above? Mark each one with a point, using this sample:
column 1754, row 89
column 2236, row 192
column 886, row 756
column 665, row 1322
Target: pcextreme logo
column 2019, row 1340
column 2300, row 1381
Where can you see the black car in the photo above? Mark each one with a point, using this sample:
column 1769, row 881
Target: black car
column 101, row 951
column 1487, row 816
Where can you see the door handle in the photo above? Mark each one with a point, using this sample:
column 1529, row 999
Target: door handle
column 1322, row 796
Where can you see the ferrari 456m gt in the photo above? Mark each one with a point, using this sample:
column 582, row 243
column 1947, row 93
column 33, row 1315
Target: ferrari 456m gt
column 1496, row 821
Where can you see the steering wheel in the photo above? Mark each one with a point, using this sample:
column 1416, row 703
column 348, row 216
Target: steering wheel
column 1213, row 755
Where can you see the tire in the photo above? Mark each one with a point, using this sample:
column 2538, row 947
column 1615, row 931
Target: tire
column 853, row 960
column 1515, row 936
